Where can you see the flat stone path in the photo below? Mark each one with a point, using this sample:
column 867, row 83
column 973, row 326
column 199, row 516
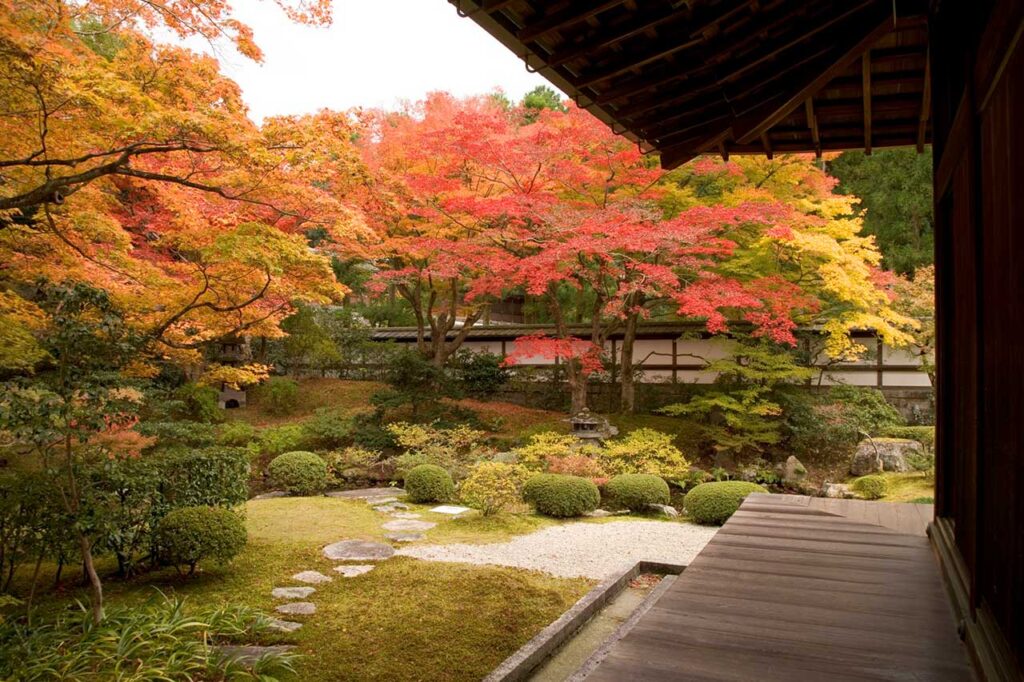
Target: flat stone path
column 292, row 592
column 312, row 577
column 358, row 550
column 284, row 625
column 297, row 608
column 403, row 524
column 353, row 570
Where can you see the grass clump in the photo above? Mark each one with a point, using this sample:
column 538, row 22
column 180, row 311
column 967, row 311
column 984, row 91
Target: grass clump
column 638, row 491
column 299, row 472
column 713, row 503
column 561, row 496
column 429, row 483
column 871, row 487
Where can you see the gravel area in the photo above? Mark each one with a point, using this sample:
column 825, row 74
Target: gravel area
column 590, row 550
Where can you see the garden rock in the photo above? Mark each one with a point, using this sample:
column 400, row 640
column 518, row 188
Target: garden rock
column 250, row 654
column 405, row 537
column 405, row 515
column 408, row 525
column 312, row 577
column 292, row 592
column 375, row 495
column 351, row 571
column 297, row 608
column 838, row 490
column 884, row 454
column 278, row 625
column 598, row 513
column 793, row 471
column 664, row 509
column 391, row 507
column 451, row 509
column 358, row 550
column 271, row 495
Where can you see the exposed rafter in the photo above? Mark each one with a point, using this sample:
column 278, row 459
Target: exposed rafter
column 926, row 105
column 865, row 61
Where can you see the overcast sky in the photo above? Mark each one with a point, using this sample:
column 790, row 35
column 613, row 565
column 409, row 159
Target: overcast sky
column 376, row 54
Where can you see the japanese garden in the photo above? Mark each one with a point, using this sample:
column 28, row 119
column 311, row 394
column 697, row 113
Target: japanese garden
column 390, row 392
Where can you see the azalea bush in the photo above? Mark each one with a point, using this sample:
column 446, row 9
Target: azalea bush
column 637, row 492
column 190, row 535
column 544, row 447
column 299, row 472
column 644, row 451
column 493, row 486
column 561, row 496
column 452, row 449
column 429, row 483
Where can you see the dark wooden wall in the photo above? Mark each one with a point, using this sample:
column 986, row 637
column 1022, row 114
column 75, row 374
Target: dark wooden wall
column 977, row 54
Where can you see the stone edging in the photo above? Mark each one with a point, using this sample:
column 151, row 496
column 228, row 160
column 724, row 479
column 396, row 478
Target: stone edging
column 519, row 665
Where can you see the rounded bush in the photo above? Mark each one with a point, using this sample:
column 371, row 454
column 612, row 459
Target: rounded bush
column 714, row 503
column 637, row 491
column 429, row 483
column 189, row 535
column 561, row 496
column 871, row 487
column 299, row 472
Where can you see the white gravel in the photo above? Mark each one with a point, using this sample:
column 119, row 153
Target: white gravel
column 589, row 550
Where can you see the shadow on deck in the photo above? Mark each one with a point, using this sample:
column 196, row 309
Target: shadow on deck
column 794, row 587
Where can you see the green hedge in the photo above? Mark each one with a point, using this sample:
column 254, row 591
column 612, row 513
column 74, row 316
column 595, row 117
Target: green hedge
column 714, row 503
column 871, row 487
column 192, row 534
column 561, row 496
column 299, row 472
column 925, row 435
column 638, row 491
column 429, row 483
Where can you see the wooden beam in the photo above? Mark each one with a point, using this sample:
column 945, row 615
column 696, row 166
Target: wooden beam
column 598, row 41
column 812, row 124
column 926, row 104
column 865, row 69
column 767, row 144
column 558, row 20
column 858, row 38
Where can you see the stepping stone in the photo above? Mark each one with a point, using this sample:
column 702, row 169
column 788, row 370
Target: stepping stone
column 405, row 537
column 358, row 550
column 351, row 571
column 271, row 495
column 383, row 503
column 406, row 515
column 250, row 654
column 452, row 509
column 312, row 577
column 292, row 592
column 283, row 625
column 297, row 608
column 376, row 495
column 408, row 525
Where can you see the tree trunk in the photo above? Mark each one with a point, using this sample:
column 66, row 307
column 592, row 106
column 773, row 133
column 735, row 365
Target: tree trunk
column 627, row 396
column 95, row 586
column 577, row 386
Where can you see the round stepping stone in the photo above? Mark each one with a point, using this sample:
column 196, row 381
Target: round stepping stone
column 408, row 525
column 297, row 608
column 312, row 577
column 278, row 625
column 292, row 592
column 406, row 515
column 358, row 550
column 405, row 537
column 351, row 571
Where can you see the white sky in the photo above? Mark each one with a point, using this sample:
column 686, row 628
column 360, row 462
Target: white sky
column 376, row 54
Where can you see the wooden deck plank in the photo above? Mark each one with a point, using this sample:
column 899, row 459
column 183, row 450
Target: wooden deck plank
column 797, row 587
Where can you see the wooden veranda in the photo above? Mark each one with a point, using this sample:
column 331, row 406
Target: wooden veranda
column 794, row 587
column 689, row 77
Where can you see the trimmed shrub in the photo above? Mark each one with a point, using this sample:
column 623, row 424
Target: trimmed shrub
column 636, row 491
column 299, row 472
column 278, row 395
column 644, row 451
column 429, row 483
column 714, row 503
column 236, row 434
column 493, row 486
column 561, row 496
column 189, row 535
column 216, row 477
column 871, row 487
column 281, row 439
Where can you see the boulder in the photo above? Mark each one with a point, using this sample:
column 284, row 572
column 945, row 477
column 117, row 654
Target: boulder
column 792, row 471
column 839, row 490
column 884, row 454
column 664, row 509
